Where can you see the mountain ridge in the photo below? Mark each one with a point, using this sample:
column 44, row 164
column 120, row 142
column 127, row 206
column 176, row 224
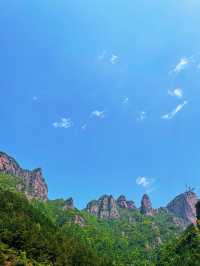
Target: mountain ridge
column 106, row 207
column 107, row 224
column 33, row 181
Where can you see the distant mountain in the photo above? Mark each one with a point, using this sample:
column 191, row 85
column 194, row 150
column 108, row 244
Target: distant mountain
column 32, row 182
column 183, row 206
column 105, row 207
column 146, row 206
column 114, row 230
column 184, row 250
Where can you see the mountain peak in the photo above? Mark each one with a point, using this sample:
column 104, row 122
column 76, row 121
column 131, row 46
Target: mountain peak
column 123, row 203
column 33, row 180
column 183, row 206
column 105, row 207
column 69, row 204
column 146, row 206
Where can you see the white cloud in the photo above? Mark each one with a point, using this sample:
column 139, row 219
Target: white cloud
column 63, row 123
column 141, row 116
column 146, row 183
column 126, row 99
column 174, row 112
column 97, row 113
column 182, row 64
column 143, row 181
column 84, row 127
column 114, row 59
column 176, row 93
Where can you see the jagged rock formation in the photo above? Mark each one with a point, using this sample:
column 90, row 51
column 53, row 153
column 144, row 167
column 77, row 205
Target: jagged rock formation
column 79, row 220
column 184, row 206
column 69, row 204
column 146, row 206
column 93, row 207
column 105, row 208
column 131, row 205
column 35, row 185
column 198, row 209
column 123, row 203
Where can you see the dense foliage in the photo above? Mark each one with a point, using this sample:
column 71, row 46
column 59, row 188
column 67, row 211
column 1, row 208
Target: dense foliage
column 131, row 240
column 184, row 251
column 41, row 233
column 29, row 234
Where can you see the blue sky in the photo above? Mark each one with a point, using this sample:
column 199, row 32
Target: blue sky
column 103, row 95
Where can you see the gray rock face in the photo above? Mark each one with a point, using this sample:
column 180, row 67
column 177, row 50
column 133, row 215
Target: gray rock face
column 146, row 206
column 33, row 180
column 105, row 208
column 93, row 208
column 79, row 220
column 69, row 204
column 184, row 206
column 131, row 205
column 124, row 204
column 198, row 209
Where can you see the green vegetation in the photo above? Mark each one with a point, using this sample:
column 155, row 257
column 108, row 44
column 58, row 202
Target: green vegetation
column 11, row 183
column 131, row 240
column 183, row 251
column 28, row 235
column 39, row 233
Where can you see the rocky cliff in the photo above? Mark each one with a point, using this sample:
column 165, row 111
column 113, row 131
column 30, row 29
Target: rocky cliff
column 146, row 206
column 34, row 183
column 105, row 208
column 69, row 204
column 183, row 206
column 123, row 203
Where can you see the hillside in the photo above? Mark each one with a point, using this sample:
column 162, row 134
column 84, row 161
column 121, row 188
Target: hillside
column 34, row 227
column 28, row 236
column 41, row 231
column 184, row 250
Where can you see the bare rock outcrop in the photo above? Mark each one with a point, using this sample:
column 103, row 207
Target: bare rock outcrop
column 146, row 206
column 105, row 208
column 184, row 206
column 35, row 185
column 123, row 203
column 79, row 220
column 69, row 204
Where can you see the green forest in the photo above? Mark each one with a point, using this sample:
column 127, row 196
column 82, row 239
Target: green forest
column 35, row 232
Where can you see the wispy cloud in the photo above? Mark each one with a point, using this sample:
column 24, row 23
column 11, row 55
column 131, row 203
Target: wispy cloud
column 141, row 116
column 105, row 56
column 185, row 62
column 142, row 181
column 146, row 183
column 114, row 59
column 182, row 64
column 98, row 114
column 63, row 123
column 174, row 112
column 176, row 93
